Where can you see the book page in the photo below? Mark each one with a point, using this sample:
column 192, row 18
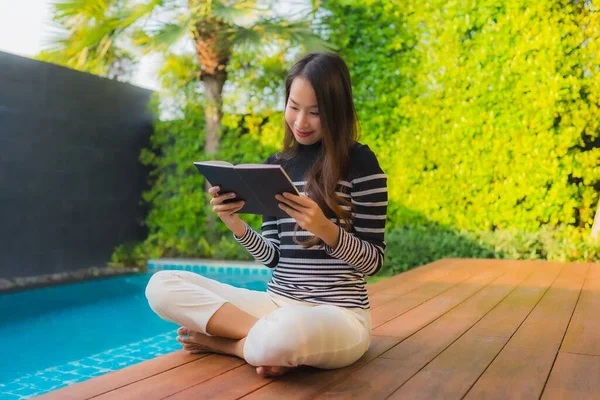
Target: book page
column 216, row 163
column 257, row 166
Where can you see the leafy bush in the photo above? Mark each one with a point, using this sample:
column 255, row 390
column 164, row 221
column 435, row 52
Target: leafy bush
column 178, row 219
column 411, row 246
column 485, row 116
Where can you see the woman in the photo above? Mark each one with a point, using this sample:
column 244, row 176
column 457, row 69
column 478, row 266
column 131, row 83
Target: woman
column 316, row 309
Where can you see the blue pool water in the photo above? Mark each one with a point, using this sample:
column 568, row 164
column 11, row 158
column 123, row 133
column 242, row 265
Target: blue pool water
column 55, row 336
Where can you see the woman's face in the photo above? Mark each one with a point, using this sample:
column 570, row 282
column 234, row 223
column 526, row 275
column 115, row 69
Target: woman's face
column 302, row 113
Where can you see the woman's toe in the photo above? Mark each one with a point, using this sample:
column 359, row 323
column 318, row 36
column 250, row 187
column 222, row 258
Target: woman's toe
column 183, row 331
column 271, row 371
column 276, row 371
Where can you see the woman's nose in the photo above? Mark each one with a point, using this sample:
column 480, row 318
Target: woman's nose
column 301, row 120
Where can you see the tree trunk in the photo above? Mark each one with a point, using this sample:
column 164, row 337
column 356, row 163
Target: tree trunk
column 213, row 111
column 213, row 51
column 213, row 114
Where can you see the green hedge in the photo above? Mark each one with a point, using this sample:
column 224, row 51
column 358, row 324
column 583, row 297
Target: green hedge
column 177, row 220
column 484, row 114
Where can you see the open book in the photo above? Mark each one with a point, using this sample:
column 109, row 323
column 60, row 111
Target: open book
column 256, row 184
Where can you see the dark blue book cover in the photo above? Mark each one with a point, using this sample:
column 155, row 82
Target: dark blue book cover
column 256, row 184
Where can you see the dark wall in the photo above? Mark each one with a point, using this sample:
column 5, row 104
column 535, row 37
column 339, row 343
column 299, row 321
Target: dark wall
column 70, row 180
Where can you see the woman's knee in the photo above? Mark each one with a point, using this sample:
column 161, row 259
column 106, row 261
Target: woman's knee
column 156, row 290
column 273, row 340
column 282, row 337
column 293, row 336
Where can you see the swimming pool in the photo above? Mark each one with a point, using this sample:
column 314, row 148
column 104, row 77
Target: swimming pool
column 56, row 336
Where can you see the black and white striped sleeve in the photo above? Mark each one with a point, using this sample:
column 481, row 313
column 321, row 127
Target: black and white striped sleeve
column 264, row 248
column 364, row 247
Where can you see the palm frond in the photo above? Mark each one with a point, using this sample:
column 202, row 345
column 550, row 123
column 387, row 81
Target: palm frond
column 90, row 29
column 164, row 37
column 226, row 11
column 130, row 15
column 233, row 12
column 297, row 32
column 65, row 9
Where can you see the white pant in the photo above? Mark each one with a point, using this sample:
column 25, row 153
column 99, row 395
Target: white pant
column 288, row 332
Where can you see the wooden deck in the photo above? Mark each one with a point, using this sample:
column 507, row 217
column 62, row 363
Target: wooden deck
column 452, row 329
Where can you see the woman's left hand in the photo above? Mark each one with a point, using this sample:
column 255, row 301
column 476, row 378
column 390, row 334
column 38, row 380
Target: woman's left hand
column 306, row 212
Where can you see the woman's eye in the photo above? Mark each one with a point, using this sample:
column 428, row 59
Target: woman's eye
column 294, row 108
column 316, row 114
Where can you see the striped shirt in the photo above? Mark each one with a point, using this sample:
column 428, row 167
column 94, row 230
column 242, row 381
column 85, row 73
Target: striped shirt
column 321, row 274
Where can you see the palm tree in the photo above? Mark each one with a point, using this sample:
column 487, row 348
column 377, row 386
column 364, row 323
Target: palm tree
column 97, row 31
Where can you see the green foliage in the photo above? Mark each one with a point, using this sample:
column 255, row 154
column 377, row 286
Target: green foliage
column 411, row 246
column 178, row 198
column 89, row 35
column 93, row 35
column 484, row 115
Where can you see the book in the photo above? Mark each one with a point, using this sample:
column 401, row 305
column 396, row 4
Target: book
column 256, row 184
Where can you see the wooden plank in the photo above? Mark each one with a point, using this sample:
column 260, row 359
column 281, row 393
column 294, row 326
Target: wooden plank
column 176, row 379
column 421, row 292
column 391, row 288
column 453, row 372
column 411, row 274
column 232, row 384
column 413, row 320
column 504, row 320
column 522, row 367
column 379, row 299
column 447, row 273
column 402, row 304
column 583, row 334
column 114, row 380
column 574, row 376
column 415, row 352
column 375, row 381
column 306, row 383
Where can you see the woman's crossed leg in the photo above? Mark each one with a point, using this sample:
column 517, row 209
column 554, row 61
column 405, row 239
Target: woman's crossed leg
column 273, row 336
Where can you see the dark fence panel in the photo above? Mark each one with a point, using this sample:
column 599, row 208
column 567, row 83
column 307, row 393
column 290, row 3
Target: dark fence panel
column 70, row 179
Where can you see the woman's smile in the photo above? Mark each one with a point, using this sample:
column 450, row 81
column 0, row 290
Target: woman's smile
column 303, row 133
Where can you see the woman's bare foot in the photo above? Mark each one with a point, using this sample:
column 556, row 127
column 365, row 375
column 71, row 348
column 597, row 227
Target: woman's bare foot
column 267, row 372
column 195, row 342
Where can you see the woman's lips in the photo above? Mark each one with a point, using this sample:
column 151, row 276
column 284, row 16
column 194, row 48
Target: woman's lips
column 303, row 133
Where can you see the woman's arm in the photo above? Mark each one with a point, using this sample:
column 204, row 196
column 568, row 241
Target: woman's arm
column 364, row 248
column 264, row 248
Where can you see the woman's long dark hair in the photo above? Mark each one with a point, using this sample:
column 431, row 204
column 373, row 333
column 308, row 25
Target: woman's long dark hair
column 330, row 79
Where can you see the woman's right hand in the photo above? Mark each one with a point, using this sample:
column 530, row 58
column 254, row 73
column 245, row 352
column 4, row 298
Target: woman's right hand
column 227, row 211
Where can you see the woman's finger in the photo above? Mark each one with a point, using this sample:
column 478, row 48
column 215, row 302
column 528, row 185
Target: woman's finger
column 214, row 191
column 220, row 199
column 289, row 202
column 231, row 212
column 290, row 211
column 228, row 206
column 304, row 201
